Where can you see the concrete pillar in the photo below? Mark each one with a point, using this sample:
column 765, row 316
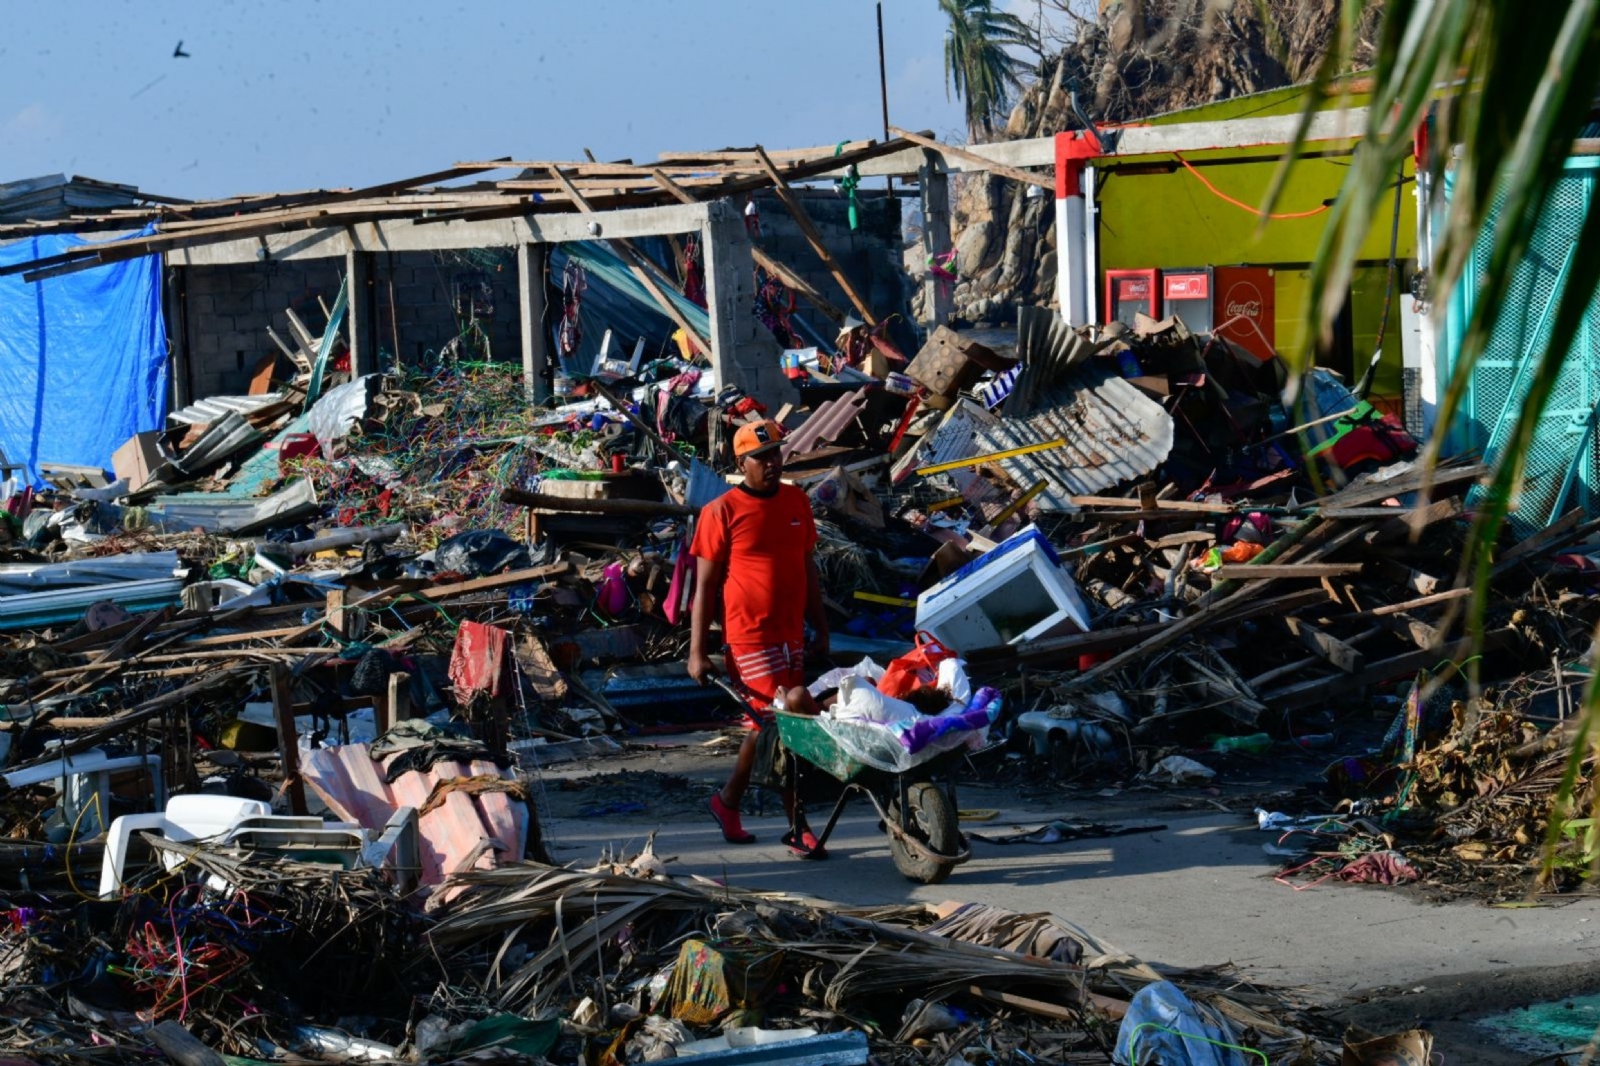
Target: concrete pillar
column 535, row 339
column 743, row 353
column 1074, row 264
column 358, row 314
column 937, row 295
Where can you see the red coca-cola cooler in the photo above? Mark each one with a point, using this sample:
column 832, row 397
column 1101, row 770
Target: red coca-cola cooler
column 1130, row 292
column 1187, row 294
column 1244, row 308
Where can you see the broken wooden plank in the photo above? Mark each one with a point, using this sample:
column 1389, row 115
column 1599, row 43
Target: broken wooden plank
column 1371, row 492
column 630, row 508
column 1177, row 540
column 1565, row 530
column 630, row 255
column 781, row 271
column 803, row 219
column 288, row 739
column 1326, row 645
column 1415, row 580
column 1284, row 571
column 1015, row 174
column 1053, row 1011
column 1411, row 605
column 1318, row 690
column 1235, row 608
column 1411, row 522
column 1420, row 633
column 1153, row 503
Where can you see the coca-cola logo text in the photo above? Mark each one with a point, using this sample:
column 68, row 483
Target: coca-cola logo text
column 1243, row 298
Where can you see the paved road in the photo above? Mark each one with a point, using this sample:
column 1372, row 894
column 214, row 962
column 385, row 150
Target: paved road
column 1199, row 892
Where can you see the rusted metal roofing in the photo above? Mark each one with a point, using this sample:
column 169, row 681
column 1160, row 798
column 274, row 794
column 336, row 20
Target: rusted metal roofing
column 1113, row 433
column 825, row 425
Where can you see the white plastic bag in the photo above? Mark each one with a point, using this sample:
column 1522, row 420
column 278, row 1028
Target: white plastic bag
column 860, row 702
column 953, row 681
column 831, row 680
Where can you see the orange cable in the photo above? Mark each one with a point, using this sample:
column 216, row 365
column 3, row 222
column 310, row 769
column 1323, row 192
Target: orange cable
column 1219, row 194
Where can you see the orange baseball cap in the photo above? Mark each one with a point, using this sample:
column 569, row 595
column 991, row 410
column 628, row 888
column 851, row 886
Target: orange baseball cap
column 753, row 437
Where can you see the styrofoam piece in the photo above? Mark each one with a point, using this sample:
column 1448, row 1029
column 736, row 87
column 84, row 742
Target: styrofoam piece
column 1015, row 593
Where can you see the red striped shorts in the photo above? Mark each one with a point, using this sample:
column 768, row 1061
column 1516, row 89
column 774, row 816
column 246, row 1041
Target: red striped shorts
column 766, row 670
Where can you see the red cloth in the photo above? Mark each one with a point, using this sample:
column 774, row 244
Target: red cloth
column 766, row 670
column 764, row 542
column 480, row 661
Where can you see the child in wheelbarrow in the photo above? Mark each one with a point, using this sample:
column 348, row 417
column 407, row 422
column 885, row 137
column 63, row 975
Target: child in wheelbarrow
column 756, row 570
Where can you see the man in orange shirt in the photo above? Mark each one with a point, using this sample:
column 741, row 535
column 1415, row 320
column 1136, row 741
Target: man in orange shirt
column 752, row 546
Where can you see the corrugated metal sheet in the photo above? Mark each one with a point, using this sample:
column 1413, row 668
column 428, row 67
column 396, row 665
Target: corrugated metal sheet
column 214, row 407
column 227, row 436
column 55, row 196
column 825, row 425
column 1049, row 349
column 1114, row 434
column 16, row 580
column 68, row 605
column 219, row 512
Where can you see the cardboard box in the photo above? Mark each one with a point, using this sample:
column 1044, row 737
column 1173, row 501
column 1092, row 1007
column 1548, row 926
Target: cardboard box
column 139, row 457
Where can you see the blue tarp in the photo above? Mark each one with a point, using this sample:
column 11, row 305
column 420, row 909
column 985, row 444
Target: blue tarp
column 617, row 300
column 83, row 358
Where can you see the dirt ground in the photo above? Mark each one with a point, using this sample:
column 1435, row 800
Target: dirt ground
column 1199, row 890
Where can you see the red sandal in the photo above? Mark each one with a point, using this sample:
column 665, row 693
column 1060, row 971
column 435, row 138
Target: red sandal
column 806, row 847
column 728, row 821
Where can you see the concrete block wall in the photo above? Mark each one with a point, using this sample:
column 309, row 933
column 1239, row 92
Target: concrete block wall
column 230, row 307
column 871, row 256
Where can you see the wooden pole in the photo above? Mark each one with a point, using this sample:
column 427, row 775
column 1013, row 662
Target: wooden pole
column 973, row 157
column 400, row 696
column 772, row 266
column 631, row 256
column 288, row 739
column 883, row 89
column 531, row 307
column 814, row 238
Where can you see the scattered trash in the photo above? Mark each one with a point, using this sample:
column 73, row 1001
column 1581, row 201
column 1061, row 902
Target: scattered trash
column 1179, row 770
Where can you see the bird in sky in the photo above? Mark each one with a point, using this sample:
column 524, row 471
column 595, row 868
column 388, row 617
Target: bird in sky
column 179, row 53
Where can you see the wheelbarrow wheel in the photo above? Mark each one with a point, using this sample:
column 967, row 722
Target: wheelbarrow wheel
column 934, row 824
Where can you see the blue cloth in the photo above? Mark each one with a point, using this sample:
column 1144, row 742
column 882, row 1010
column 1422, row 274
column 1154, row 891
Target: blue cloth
column 83, row 358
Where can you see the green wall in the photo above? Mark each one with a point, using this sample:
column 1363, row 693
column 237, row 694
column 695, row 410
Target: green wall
column 1170, row 219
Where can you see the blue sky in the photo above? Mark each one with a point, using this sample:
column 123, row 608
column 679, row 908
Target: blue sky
column 307, row 94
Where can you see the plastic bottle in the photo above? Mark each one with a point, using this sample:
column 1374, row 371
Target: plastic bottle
column 923, row 1018
column 1254, row 744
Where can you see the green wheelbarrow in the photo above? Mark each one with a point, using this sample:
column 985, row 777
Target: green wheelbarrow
column 916, row 807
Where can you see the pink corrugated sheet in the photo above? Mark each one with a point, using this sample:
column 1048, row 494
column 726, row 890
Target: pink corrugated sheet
column 453, row 834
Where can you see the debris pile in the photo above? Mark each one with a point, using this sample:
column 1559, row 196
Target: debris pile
column 289, row 680
column 620, row 963
column 1465, row 795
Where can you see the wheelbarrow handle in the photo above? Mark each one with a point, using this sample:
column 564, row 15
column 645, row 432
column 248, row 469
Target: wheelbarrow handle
column 738, row 692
